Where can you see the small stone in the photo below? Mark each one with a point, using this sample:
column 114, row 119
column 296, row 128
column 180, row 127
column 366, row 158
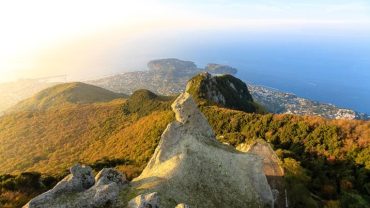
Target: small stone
column 150, row 200
column 182, row 206
column 109, row 175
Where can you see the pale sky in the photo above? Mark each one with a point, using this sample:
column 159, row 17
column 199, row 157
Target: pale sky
column 51, row 37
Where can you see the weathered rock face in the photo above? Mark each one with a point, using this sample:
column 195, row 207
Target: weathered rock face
column 190, row 166
column 226, row 91
column 271, row 167
column 80, row 189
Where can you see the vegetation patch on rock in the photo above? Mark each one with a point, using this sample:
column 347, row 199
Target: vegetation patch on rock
column 225, row 91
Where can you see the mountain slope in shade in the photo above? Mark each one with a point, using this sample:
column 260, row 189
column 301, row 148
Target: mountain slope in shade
column 66, row 94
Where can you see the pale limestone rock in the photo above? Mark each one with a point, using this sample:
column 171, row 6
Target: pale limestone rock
column 77, row 190
column 109, row 182
column 150, row 200
column 80, row 179
column 109, row 175
column 271, row 168
column 182, row 206
column 188, row 114
column 191, row 166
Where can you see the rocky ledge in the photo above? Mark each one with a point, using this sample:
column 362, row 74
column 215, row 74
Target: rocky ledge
column 80, row 189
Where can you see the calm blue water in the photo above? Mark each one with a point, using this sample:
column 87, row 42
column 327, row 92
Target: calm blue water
column 331, row 68
column 330, row 65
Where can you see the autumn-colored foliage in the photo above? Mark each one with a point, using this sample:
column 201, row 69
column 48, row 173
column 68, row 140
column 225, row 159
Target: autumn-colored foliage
column 328, row 159
column 327, row 162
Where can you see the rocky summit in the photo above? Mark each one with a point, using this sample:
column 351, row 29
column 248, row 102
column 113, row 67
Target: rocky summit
column 223, row 90
column 189, row 168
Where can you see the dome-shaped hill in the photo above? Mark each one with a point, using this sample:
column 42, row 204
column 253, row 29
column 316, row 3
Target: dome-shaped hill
column 64, row 94
column 144, row 101
column 143, row 94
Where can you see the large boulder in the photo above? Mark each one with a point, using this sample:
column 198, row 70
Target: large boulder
column 80, row 189
column 190, row 166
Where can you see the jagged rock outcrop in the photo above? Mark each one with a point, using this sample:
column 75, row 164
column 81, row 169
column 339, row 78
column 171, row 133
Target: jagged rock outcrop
column 226, row 91
column 80, row 189
column 190, row 166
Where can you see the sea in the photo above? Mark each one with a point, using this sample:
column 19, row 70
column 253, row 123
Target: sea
column 330, row 66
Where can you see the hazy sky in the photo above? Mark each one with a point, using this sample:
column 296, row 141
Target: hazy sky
column 85, row 39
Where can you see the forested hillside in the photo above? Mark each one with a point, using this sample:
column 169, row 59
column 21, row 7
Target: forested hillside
column 326, row 161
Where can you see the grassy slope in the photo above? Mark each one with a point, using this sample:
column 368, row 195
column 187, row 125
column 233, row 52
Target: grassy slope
column 63, row 94
column 51, row 141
